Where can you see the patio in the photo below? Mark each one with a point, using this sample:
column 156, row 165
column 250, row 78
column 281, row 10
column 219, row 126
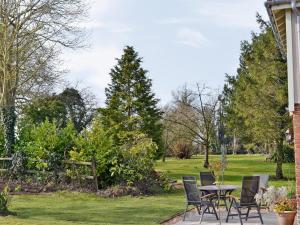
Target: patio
column 193, row 218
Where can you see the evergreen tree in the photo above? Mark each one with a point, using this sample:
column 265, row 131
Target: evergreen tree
column 257, row 97
column 130, row 103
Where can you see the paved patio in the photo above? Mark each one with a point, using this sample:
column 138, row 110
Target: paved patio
column 193, row 218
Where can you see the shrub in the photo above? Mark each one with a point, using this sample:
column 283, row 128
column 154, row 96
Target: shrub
column 289, row 154
column 96, row 143
column 45, row 145
column 136, row 159
column 4, row 200
column 182, row 150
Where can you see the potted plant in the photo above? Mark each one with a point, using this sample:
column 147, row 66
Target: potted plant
column 277, row 200
column 286, row 211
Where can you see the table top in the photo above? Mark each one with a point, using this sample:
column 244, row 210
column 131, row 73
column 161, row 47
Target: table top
column 221, row 187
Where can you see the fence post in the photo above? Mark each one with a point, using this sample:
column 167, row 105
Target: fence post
column 94, row 170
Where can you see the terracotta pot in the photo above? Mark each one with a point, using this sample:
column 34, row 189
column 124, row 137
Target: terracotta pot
column 286, row 217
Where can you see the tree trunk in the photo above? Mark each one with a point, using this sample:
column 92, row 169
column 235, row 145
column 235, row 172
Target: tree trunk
column 9, row 122
column 279, row 160
column 234, row 144
column 206, row 162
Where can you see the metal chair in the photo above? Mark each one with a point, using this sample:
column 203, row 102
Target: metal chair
column 263, row 181
column 208, row 178
column 194, row 198
column 250, row 187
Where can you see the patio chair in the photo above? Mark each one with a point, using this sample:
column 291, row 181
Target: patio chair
column 203, row 203
column 208, row 178
column 263, row 181
column 250, row 187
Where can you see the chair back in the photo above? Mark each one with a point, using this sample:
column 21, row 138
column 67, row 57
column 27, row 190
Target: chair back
column 207, row 178
column 263, row 180
column 191, row 190
column 189, row 178
column 250, row 187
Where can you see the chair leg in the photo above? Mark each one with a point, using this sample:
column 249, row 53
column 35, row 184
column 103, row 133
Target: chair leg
column 240, row 216
column 204, row 210
column 225, row 202
column 199, row 210
column 214, row 209
column 260, row 217
column 228, row 212
column 247, row 214
column 185, row 211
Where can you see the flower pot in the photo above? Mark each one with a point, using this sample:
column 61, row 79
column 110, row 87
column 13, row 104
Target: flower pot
column 286, row 217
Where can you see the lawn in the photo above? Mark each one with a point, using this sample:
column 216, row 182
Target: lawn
column 79, row 208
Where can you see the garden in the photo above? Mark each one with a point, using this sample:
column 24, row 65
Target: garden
column 67, row 207
column 65, row 159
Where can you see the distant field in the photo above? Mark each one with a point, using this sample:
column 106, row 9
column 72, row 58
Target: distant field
column 78, row 208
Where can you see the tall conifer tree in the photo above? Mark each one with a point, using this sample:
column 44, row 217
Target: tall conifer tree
column 130, row 103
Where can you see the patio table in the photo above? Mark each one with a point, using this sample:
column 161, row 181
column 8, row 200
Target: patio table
column 220, row 189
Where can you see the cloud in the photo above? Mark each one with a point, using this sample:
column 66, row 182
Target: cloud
column 192, row 38
column 91, row 67
column 171, row 21
column 232, row 14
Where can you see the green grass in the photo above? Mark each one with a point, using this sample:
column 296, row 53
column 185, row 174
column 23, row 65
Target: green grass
column 237, row 167
column 79, row 208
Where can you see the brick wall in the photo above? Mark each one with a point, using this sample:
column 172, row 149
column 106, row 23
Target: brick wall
column 296, row 123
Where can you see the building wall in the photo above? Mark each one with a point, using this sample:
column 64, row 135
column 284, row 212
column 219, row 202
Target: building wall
column 296, row 123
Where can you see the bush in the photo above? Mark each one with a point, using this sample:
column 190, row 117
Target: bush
column 4, row 200
column 136, row 159
column 45, row 145
column 182, row 150
column 96, row 142
column 289, row 154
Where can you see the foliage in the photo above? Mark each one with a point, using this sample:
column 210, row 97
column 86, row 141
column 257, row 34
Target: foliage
column 46, row 145
column 34, row 37
column 193, row 114
column 135, row 164
column 4, row 200
column 70, row 105
column 130, row 104
column 289, row 153
column 96, row 143
column 2, row 141
column 285, row 205
column 271, row 196
column 182, row 150
column 256, row 99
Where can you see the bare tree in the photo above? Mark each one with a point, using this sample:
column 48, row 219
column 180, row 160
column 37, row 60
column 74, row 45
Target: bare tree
column 32, row 34
column 195, row 112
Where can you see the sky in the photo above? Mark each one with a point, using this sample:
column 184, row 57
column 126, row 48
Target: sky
column 181, row 41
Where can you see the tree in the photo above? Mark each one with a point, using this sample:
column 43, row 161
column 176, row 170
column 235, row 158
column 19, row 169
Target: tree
column 70, row 105
column 130, row 103
column 195, row 112
column 33, row 32
column 258, row 94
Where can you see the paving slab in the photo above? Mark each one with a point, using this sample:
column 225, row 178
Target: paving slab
column 193, row 218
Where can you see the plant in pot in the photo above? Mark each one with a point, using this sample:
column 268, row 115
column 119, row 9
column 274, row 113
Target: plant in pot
column 286, row 210
column 277, row 200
